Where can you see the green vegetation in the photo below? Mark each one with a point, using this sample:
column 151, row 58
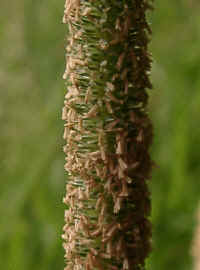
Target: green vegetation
column 175, row 111
column 31, row 158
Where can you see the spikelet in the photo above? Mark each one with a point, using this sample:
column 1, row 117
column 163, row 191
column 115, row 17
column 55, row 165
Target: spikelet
column 107, row 135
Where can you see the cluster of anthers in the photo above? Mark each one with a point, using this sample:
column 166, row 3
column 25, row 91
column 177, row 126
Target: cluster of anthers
column 108, row 134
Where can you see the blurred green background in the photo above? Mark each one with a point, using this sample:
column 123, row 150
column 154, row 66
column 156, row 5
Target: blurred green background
column 31, row 159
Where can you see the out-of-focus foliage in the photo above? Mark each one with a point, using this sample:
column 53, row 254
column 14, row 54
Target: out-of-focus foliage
column 31, row 159
column 175, row 105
